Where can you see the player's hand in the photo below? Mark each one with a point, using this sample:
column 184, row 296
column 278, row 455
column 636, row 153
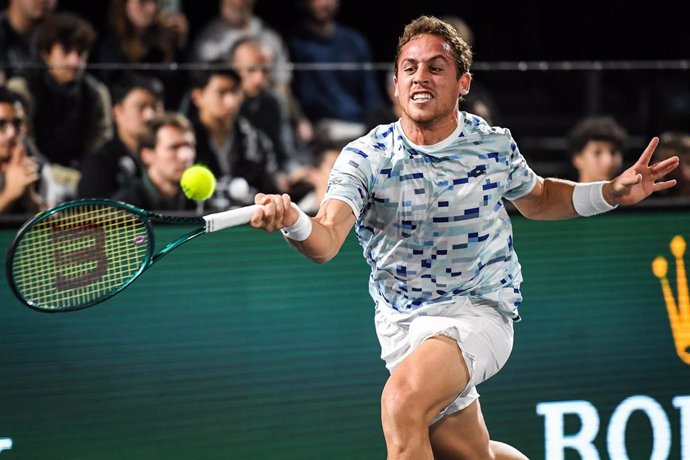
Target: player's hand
column 640, row 180
column 275, row 213
column 20, row 172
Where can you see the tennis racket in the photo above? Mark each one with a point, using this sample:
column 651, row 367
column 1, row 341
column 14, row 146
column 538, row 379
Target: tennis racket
column 83, row 252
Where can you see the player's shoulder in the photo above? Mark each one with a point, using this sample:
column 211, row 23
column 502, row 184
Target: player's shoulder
column 476, row 124
column 375, row 143
column 478, row 127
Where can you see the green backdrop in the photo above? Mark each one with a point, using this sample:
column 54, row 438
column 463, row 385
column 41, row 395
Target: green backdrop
column 235, row 347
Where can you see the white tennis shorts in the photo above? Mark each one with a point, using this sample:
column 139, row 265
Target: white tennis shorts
column 484, row 335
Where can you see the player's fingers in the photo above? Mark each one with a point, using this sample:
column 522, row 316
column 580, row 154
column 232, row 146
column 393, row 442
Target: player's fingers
column 664, row 185
column 648, row 152
column 280, row 211
column 257, row 218
column 269, row 210
column 259, row 198
column 630, row 179
column 287, row 204
column 664, row 167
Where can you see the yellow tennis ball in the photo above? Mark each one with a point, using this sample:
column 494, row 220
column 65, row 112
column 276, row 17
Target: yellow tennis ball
column 198, row 183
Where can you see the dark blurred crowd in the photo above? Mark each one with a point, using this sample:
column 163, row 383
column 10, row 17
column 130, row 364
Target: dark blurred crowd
column 129, row 126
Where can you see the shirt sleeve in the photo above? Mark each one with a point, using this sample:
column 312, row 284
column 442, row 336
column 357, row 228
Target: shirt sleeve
column 351, row 179
column 521, row 178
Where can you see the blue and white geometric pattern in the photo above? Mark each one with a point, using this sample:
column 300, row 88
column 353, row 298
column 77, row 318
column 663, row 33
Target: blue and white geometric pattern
column 431, row 219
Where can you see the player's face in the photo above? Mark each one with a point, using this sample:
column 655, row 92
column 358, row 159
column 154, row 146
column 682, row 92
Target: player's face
column 427, row 84
column 10, row 130
column 598, row 160
column 174, row 152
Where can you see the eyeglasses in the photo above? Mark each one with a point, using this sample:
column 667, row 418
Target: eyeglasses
column 16, row 122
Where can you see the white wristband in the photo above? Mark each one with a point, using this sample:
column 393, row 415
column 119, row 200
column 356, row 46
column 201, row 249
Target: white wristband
column 301, row 229
column 588, row 199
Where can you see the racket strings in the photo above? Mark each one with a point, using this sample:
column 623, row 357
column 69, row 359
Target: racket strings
column 79, row 255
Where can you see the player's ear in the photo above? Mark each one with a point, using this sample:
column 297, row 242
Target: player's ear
column 465, row 83
column 395, row 86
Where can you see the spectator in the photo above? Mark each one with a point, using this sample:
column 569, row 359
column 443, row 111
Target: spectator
column 676, row 143
column 137, row 99
column 18, row 171
column 142, row 33
column 386, row 113
column 262, row 106
column 166, row 148
column 236, row 20
column 69, row 109
column 338, row 100
column 17, row 27
column 230, row 146
column 479, row 100
column 596, row 146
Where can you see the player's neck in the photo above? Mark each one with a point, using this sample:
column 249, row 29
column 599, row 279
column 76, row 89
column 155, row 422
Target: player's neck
column 431, row 133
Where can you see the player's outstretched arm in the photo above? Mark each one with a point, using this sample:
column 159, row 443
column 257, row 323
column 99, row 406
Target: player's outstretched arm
column 327, row 232
column 553, row 199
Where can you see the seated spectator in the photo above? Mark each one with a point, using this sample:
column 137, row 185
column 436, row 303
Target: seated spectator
column 17, row 27
column 336, row 101
column 18, row 171
column 166, row 149
column 325, row 155
column 596, row 148
column 236, row 20
column 676, row 143
column 137, row 99
column 141, row 33
column 69, row 109
column 234, row 150
column 262, row 106
column 386, row 113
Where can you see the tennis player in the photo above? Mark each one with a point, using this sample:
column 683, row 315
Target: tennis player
column 425, row 195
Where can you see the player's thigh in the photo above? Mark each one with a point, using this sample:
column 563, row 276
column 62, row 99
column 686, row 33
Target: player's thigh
column 430, row 378
column 461, row 435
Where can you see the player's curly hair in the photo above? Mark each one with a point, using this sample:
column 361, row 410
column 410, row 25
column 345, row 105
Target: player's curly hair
column 434, row 26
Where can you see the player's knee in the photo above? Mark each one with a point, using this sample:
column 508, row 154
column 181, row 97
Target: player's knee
column 401, row 403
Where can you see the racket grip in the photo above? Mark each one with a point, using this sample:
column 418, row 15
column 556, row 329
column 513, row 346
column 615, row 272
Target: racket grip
column 232, row 218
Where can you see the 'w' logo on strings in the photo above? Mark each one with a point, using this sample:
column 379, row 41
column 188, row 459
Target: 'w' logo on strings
column 678, row 311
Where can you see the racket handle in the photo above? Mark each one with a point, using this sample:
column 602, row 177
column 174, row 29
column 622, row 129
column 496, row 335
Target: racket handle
column 232, row 218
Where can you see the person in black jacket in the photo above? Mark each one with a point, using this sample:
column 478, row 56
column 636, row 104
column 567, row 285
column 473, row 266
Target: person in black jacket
column 166, row 148
column 241, row 157
column 69, row 109
column 137, row 99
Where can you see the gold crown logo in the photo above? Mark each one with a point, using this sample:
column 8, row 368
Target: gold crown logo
column 678, row 313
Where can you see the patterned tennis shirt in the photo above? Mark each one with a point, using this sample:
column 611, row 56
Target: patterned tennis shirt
column 431, row 219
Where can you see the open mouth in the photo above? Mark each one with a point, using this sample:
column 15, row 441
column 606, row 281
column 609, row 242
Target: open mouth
column 421, row 96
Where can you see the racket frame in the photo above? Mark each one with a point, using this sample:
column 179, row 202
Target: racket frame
column 146, row 217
